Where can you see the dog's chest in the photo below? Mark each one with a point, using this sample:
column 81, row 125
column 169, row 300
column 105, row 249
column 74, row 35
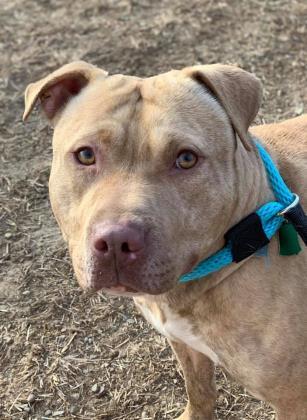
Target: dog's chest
column 175, row 328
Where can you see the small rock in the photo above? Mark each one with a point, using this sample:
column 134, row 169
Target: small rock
column 95, row 388
column 48, row 413
column 26, row 292
column 75, row 396
column 283, row 38
column 220, row 399
column 114, row 354
column 144, row 415
column 299, row 109
column 8, row 235
column 27, row 409
column 9, row 340
column 102, row 392
column 31, row 398
column 58, row 413
column 73, row 409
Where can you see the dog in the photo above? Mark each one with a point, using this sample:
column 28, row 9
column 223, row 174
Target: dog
column 147, row 177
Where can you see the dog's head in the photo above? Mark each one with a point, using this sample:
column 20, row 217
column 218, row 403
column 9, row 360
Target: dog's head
column 143, row 181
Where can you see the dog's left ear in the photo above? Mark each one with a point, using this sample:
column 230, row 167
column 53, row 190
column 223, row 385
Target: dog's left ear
column 238, row 91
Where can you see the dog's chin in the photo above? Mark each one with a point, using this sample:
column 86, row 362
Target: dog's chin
column 115, row 289
column 120, row 290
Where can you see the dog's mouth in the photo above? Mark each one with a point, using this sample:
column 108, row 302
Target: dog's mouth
column 121, row 290
column 119, row 284
column 136, row 279
column 115, row 289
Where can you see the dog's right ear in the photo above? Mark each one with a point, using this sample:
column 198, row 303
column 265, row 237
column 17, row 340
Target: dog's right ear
column 55, row 90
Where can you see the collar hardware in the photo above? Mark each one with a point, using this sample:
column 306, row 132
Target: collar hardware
column 293, row 204
column 295, row 214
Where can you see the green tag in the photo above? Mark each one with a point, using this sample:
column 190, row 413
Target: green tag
column 288, row 240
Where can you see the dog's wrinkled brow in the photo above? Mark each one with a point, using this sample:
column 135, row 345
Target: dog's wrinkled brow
column 106, row 133
column 176, row 141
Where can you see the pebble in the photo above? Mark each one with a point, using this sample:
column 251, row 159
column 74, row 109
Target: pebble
column 102, row 391
column 221, row 399
column 73, row 409
column 95, row 388
column 99, row 390
column 8, row 235
column 31, row 398
column 114, row 354
column 9, row 340
column 299, row 109
column 48, row 413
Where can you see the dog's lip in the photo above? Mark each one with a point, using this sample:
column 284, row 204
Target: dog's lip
column 122, row 289
column 117, row 289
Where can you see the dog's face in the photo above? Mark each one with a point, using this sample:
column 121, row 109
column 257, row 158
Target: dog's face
column 143, row 183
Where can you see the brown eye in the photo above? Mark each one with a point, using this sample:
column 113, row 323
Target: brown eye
column 186, row 160
column 85, row 156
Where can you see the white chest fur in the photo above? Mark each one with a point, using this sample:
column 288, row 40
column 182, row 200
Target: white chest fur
column 175, row 328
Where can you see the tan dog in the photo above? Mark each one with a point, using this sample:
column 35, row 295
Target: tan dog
column 147, row 176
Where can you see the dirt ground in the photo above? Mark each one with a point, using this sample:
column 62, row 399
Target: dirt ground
column 65, row 354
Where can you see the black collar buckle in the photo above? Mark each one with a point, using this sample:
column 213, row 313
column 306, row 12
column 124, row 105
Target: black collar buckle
column 246, row 237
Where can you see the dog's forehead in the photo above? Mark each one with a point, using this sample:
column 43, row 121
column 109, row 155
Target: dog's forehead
column 119, row 100
column 113, row 94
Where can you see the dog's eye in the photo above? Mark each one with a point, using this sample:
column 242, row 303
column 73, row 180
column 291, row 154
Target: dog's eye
column 86, row 156
column 186, row 160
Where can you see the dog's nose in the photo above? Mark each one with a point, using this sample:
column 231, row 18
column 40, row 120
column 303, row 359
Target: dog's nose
column 122, row 241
